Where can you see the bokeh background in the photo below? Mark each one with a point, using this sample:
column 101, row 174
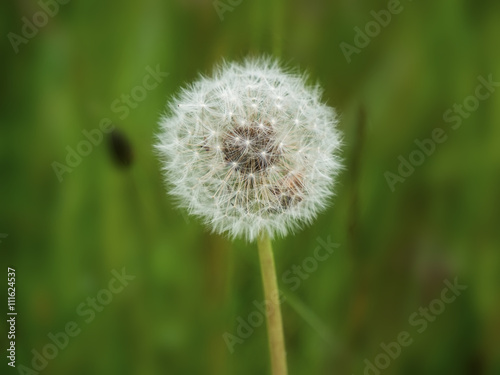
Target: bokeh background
column 396, row 248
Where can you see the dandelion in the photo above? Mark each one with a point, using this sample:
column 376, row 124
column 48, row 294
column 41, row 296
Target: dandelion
column 253, row 152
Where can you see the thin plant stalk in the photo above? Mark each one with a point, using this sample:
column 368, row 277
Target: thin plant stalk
column 273, row 311
column 277, row 21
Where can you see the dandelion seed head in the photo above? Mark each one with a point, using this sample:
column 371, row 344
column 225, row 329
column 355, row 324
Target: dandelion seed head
column 251, row 150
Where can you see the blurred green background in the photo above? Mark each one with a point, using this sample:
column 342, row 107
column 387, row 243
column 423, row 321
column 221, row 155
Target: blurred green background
column 396, row 248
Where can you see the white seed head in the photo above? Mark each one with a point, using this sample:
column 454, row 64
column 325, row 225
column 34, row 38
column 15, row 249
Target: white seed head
column 250, row 150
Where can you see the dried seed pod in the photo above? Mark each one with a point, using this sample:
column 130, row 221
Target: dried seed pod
column 120, row 148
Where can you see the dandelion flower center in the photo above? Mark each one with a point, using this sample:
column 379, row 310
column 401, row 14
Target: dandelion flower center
column 251, row 149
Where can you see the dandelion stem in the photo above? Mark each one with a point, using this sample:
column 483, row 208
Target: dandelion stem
column 271, row 293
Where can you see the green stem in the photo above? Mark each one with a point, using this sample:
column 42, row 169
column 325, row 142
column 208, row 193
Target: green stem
column 277, row 21
column 273, row 312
